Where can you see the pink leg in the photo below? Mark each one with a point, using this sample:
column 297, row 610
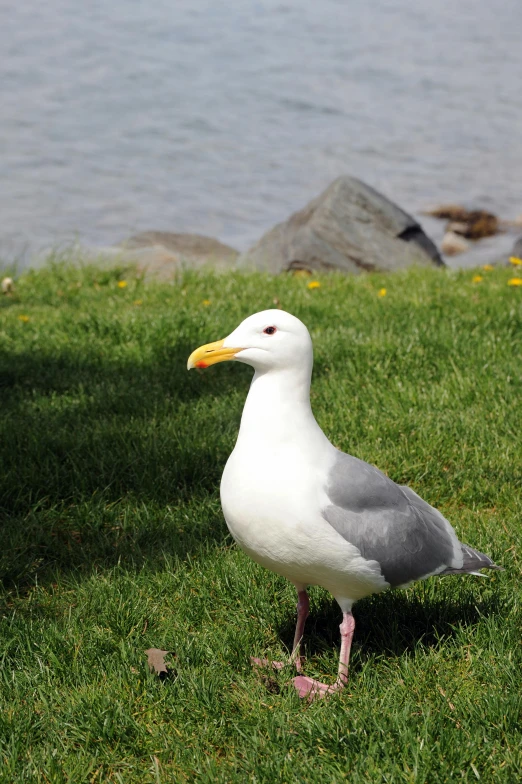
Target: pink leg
column 303, row 607
column 310, row 688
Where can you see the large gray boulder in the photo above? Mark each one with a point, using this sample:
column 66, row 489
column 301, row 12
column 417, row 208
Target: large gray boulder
column 349, row 227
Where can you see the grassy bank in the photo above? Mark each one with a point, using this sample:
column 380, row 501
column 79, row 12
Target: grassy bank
column 112, row 539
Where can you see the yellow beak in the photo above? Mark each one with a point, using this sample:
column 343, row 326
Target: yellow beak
column 211, row 354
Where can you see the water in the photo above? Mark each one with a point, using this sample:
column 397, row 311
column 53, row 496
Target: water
column 223, row 118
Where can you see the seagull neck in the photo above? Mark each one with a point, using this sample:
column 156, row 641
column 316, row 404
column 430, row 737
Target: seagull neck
column 278, row 401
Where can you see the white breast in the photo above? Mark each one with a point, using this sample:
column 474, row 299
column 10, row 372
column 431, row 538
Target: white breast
column 272, row 499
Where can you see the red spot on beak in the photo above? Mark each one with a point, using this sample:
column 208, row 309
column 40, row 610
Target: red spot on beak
column 201, row 364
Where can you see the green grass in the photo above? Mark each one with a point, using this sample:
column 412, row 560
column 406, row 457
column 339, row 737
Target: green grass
column 112, row 538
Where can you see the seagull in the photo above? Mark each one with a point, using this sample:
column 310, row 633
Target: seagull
column 299, row 506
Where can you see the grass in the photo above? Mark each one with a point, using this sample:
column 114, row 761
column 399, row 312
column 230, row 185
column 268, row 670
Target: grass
column 112, row 538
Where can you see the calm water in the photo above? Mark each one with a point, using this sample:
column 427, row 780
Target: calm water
column 223, row 118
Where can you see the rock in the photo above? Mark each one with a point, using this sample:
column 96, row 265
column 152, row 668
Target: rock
column 453, row 244
column 156, row 254
column 472, row 224
column 457, row 228
column 349, row 227
column 452, row 212
column 476, row 225
column 187, row 246
column 161, row 254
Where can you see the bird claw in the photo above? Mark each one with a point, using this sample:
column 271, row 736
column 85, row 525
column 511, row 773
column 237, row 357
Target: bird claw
column 307, row 688
column 310, row 689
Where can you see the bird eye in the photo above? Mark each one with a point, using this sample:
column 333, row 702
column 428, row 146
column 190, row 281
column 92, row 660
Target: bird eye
column 270, row 330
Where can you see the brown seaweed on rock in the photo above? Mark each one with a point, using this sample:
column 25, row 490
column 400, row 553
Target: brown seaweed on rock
column 472, row 224
column 448, row 212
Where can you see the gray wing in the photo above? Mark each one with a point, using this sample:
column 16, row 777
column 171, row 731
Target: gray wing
column 389, row 523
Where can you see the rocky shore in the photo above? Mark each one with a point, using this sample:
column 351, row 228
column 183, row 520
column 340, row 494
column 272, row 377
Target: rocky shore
column 350, row 227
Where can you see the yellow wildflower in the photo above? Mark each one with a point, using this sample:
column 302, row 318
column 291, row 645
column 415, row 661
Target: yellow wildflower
column 25, row 319
column 488, row 267
column 206, row 302
column 476, row 279
column 122, row 284
column 314, row 284
column 512, row 282
column 516, row 261
column 381, row 293
column 138, row 302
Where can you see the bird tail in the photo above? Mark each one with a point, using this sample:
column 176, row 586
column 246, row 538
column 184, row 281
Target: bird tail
column 473, row 560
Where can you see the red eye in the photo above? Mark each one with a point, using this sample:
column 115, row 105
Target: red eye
column 270, row 330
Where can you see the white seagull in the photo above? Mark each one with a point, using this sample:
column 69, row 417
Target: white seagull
column 307, row 511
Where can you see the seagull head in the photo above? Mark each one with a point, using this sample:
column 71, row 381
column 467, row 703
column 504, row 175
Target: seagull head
column 269, row 340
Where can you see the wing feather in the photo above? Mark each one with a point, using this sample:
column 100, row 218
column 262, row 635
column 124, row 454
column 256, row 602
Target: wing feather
column 389, row 523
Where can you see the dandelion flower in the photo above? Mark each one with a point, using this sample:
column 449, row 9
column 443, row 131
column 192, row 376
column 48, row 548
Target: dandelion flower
column 314, row 284
column 122, row 284
column 138, row 302
column 25, row 319
column 206, row 302
column 488, row 267
column 515, row 261
column 476, row 279
column 512, row 282
column 381, row 293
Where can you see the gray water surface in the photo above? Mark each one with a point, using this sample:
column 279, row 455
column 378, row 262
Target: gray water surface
column 223, row 118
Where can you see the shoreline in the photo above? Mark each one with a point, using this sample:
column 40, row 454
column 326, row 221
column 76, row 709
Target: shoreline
column 349, row 226
column 492, row 250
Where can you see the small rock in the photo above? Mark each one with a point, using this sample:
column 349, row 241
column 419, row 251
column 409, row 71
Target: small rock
column 477, row 225
column 161, row 254
column 457, row 228
column 452, row 212
column 453, row 244
column 472, row 224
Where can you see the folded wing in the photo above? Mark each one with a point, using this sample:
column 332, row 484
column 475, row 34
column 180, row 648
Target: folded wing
column 392, row 525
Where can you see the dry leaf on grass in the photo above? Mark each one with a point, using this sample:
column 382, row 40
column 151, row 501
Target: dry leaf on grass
column 156, row 661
